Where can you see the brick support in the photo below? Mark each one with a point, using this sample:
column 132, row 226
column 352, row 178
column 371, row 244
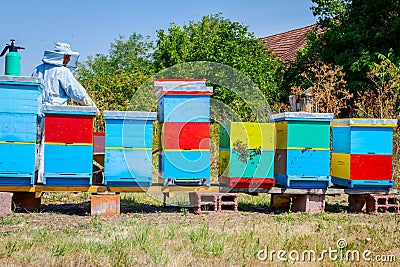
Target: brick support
column 357, row 203
column 203, row 203
column 280, row 201
column 24, row 201
column 105, row 204
column 5, row 203
column 308, row 203
column 383, row 203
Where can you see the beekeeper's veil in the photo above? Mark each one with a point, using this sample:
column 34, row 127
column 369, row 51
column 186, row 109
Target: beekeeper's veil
column 56, row 56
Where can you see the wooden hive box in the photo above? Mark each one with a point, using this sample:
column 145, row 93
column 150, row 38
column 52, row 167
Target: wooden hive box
column 183, row 100
column 185, row 135
column 362, row 153
column 184, row 167
column 20, row 103
column 246, row 154
column 68, row 145
column 302, row 155
column 128, row 148
column 20, row 94
column 184, row 115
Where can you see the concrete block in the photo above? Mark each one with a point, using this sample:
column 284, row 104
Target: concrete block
column 203, row 202
column 227, row 202
column 5, row 203
column 280, row 201
column 383, row 203
column 357, row 203
column 105, row 204
column 24, row 201
column 308, row 203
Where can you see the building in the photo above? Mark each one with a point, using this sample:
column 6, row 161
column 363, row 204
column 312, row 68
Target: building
column 286, row 44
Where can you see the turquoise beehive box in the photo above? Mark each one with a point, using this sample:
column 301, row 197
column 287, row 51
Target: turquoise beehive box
column 362, row 153
column 183, row 104
column 302, row 155
column 128, row 148
column 246, row 155
column 20, row 103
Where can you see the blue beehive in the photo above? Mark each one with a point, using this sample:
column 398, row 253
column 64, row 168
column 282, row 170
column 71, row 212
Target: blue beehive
column 20, row 102
column 302, row 155
column 68, row 145
column 183, row 102
column 183, row 108
column 190, row 167
column 20, row 94
column 128, row 148
column 362, row 153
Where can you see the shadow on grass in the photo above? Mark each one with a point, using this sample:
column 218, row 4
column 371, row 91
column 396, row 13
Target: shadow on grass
column 130, row 207
column 84, row 208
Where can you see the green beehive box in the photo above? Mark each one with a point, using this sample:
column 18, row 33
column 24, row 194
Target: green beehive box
column 247, row 150
column 299, row 130
column 252, row 163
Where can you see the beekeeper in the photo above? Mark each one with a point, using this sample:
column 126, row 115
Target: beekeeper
column 60, row 86
column 60, row 83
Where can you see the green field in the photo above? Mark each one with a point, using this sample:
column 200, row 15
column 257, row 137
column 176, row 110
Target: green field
column 148, row 234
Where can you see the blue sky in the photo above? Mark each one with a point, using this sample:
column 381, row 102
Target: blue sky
column 90, row 26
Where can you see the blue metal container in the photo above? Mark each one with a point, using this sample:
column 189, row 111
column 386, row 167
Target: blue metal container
column 128, row 148
column 190, row 167
column 20, row 94
column 17, row 163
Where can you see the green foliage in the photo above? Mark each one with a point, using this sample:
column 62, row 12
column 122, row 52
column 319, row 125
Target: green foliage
column 216, row 39
column 355, row 32
column 382, row 100
column 111, row 80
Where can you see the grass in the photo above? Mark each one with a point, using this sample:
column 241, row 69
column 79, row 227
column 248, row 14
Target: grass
column 146, row 234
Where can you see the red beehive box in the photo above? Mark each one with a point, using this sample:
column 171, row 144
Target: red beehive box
column 185, row 135
column 68, row 129
column 370, row 167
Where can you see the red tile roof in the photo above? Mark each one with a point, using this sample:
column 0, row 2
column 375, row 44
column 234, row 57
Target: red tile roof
column 287, row 44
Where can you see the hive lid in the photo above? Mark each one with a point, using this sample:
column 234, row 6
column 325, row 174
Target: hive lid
column 301, row 116
column 365, row 122
column 181, row 87
column 129, row 115
column 24, row 80
column 78, row 110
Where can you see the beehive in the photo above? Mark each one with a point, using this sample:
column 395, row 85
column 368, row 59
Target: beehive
column 184, row 121
column 128, row 148
column 246, row 155
column 68, row 145
column 20, row 102
column 362, row 153
column 302, row 155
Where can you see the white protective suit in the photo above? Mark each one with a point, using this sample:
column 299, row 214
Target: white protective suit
column 60, row 83
column 60, row 86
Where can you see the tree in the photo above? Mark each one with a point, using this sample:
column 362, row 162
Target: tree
column 112, row 79
column 355, row 32
column 328, row 88
column 217, row 39
column 382, row 101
